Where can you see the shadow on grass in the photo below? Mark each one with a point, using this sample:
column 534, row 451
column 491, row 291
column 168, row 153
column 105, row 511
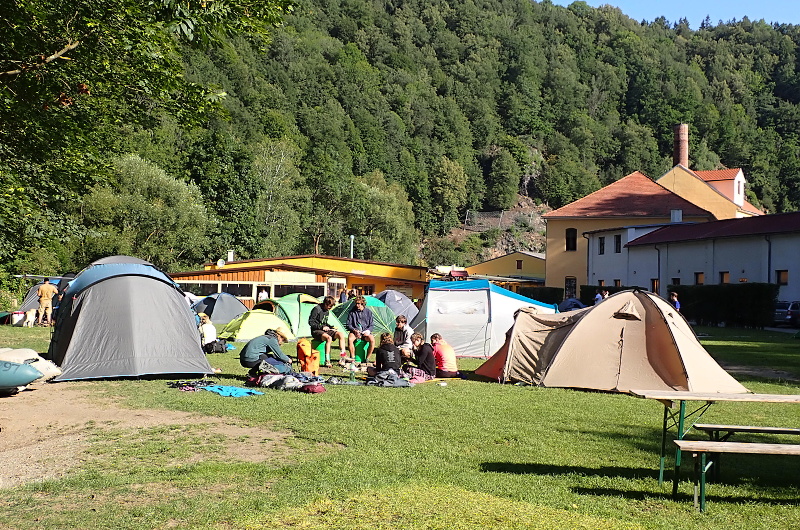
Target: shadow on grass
column 682, row 497
column 551, row 469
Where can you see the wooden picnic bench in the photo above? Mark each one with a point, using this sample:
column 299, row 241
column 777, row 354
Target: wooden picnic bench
column 699, row 450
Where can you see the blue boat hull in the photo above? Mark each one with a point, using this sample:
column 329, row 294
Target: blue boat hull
column 13, row 375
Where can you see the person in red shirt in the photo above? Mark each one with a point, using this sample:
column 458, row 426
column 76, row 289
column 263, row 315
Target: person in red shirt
column 446, row 365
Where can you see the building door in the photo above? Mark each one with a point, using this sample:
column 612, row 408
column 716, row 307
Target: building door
column 570, row 287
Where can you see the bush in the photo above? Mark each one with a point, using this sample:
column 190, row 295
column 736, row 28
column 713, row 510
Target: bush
column 547, row 295
column 742, row 305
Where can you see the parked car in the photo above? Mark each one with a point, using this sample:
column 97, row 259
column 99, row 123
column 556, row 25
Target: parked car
column 787, row 313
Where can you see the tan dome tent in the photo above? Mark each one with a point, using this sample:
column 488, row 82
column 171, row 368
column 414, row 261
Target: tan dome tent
column 632, row 340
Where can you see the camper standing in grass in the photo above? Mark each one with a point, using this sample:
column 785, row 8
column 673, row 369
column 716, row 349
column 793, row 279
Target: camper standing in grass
column 673, row 300
column 46, row 292
column 320, row 330
column 446, row 365
column 360, row 324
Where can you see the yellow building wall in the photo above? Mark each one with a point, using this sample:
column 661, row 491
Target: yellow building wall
column 560, row 263
column 694, row 190
column 532, row 267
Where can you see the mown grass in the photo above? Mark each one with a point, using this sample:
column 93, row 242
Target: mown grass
column 467, row 455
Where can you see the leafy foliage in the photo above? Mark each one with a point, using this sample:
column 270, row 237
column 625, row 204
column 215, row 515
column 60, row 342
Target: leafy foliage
column 385, row 121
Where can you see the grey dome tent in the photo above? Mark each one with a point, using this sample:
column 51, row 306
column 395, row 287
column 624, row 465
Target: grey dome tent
column 221, row 308
column 399, row 303
column 122, row 317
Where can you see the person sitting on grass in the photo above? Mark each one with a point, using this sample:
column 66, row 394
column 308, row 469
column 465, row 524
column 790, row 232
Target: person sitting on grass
column 320, row 330
column 425, row 368
column 267, row 347
column 446, row 365
column 208, row 333
column 388, row 356
column 360, row 324
column 402, row 336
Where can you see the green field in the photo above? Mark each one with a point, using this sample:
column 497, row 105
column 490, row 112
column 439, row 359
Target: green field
column 468, row 455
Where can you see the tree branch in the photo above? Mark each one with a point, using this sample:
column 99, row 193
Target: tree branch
column 45, row 60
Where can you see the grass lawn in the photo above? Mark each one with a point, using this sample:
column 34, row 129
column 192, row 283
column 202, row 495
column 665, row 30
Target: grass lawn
column 468, row 455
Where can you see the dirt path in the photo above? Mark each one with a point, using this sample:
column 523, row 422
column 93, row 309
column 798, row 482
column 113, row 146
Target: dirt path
column 45, row 431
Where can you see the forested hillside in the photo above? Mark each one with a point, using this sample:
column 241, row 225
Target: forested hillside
column 381, row 119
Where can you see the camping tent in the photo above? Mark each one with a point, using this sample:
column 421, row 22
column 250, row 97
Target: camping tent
column 31, row 300
column 399, row 303
column 123, row 318
column 472, row 316
column 382, row 316
column 570, row 304
column 250, row 325
column 295, row 309
column 220, row 307
column 632, row 340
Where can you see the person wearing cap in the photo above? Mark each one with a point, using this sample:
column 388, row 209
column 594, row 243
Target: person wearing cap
column 267, row 347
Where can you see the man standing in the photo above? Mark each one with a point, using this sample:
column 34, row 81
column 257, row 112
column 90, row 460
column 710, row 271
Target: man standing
column 46, row 292
column 673, row 300
column 359, row 324
column 320, row 330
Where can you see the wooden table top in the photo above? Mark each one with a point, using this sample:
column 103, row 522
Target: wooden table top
column 676, row 395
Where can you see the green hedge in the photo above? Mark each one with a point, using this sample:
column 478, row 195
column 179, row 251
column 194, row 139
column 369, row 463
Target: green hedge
column 741, row 304
column 588, row 292
column 547, row 295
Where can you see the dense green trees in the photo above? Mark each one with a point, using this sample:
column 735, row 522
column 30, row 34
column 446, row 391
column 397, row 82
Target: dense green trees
column 380, row 120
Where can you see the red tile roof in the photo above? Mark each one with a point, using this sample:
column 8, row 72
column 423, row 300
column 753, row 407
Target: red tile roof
column 635, row 195
column 746, row 226
column 717, row 174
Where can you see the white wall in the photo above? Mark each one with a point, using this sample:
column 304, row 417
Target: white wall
column 747, row 259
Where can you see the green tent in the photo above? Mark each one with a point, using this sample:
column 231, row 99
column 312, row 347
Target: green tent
column 250, row 325
column 383, row 316
column 295, row 309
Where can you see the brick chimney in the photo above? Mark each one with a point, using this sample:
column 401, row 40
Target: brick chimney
column 680, row 145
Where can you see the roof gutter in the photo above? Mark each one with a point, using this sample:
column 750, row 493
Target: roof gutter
column 658, row 268
column 769, row 258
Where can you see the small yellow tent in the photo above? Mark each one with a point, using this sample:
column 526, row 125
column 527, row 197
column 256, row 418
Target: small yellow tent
column 251, row 324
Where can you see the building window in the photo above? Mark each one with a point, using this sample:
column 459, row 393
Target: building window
column 617, row 283
column 654, row 285
column 200, row 289
column 570, row 286
column 519, row 264
column 312, row 289
column 364, row 290
column 572, row 239
column 617, row 244
column 601, row 245
column 601, row 283
column 724, row 277
column 675, row 281
column 782, row 277
column 699, row 278
column 240, row 290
